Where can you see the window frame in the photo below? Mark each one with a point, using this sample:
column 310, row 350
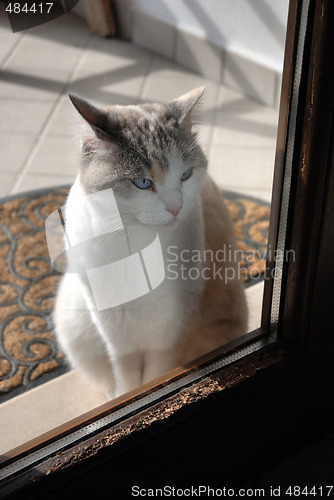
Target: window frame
column 276, row 393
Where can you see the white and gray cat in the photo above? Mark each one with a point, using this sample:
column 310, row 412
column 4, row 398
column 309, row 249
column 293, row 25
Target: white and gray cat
column 148, row 157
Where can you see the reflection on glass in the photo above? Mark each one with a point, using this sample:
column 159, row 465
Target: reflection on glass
column 148, row 170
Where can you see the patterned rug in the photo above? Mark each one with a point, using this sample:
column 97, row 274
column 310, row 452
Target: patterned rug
column 29, row 355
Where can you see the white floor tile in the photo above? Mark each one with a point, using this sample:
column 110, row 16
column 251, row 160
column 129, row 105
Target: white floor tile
column 231, row 100
column 15, row 149
column 241, row 121
column 254, row 80
column 47, row 406
column 168, row 81
column 22, row 115
column 106, row 55
column 7, row 43
column 110, row 73
column 240, row 131
column 30, row 181
column 44, row 55
column 7, row 182
column 64, row 120
column 36, row 85
column 242, row 167
column 56, row 155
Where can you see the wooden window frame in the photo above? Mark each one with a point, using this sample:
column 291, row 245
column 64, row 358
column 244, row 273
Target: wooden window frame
column 247, row 405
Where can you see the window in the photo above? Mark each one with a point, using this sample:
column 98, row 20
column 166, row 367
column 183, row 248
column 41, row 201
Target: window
column 271, row 385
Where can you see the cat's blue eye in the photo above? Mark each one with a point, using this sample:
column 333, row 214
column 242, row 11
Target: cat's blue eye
column 186, row 174
column 142, row 183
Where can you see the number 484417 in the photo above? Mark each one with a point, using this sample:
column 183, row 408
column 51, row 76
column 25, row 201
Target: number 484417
column 296, row 491
column 18, row 8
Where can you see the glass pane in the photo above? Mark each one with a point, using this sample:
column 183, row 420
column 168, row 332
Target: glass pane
column 144, row 201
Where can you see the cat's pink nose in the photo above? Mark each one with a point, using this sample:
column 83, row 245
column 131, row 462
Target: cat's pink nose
column 174, row 209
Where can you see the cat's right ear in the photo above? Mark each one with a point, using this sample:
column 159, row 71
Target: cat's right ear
column 183, row 107
column 94, row 117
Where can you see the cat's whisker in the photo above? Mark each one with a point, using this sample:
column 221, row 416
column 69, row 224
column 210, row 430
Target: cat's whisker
column 190, row 148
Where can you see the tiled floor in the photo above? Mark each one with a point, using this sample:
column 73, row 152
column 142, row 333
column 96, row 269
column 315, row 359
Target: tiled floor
column 39, row 148
column 37, row 122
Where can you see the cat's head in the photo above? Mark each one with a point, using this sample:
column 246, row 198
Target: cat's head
column 147, row 153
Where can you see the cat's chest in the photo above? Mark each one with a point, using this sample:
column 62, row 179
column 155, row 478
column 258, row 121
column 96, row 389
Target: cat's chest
column 157, row 318
column 149, row 323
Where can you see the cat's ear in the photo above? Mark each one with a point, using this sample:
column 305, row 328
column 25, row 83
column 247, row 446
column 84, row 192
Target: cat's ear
column 184, row 105
column 96, row 118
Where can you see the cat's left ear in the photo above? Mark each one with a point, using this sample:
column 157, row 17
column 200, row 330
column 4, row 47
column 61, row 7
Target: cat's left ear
column 184, row 105
column 95, row 127
column 95, row 117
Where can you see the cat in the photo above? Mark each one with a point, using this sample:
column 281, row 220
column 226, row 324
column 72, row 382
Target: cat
column 147, row 158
